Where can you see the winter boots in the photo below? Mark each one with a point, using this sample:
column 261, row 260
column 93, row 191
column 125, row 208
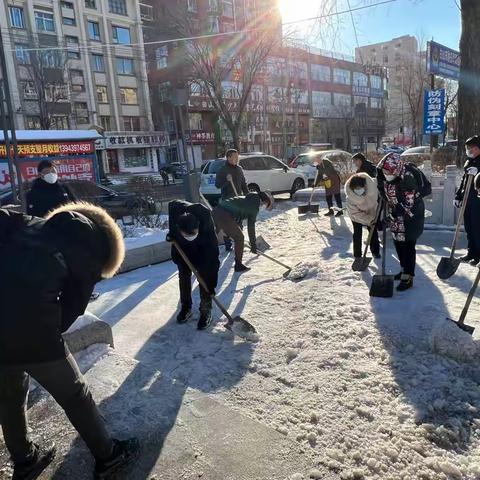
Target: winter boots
column 406, row 282
column 185, row 314
column 205, row 314
column 330, row 213
column 124, row 452
column 339, row 213
column 240, row 267
column 39, row 461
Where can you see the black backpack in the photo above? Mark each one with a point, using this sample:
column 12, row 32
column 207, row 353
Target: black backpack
column 424, row 185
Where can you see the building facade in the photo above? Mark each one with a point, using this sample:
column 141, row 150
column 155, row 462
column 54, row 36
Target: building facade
column 299, row 96
column 404, row 63
column 79, row 65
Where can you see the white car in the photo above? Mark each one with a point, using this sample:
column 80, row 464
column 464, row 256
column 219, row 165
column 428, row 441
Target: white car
column 304, row 163
column 417, row 151
column 262, row 172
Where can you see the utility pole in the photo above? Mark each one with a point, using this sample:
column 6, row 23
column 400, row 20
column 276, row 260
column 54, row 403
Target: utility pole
column 11, row 121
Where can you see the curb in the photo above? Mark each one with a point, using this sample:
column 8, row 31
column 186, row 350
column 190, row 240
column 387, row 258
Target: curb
column 97, row 332
column 145, row 256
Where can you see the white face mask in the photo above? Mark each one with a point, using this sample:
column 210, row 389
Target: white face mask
column 390, row 178
column 51, row 178
column 190, row 238
column 359, row 191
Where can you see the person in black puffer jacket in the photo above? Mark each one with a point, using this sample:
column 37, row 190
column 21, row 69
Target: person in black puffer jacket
column 47, row 193
column 50, row 267
column 191, row 226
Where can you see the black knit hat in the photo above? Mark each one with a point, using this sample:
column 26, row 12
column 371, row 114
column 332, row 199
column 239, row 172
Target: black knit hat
column 188, row 223
column 473, row 141
column 359, row 156
column 44, row 164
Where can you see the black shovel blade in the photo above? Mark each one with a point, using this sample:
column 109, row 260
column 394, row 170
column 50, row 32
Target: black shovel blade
column 309, row 208
column 465, row 328
column 361, row 264
column 447, row 267
column 262, row 244
column 287, row 273
column 382, row 286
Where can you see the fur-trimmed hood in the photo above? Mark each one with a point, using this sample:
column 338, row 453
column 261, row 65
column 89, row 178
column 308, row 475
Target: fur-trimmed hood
column 362, row 208
column 112, row 246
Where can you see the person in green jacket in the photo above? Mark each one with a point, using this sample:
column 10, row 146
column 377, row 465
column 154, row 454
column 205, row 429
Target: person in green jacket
column 229, row 212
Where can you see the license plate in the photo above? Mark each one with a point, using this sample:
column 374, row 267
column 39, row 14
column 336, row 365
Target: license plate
column 211, row 181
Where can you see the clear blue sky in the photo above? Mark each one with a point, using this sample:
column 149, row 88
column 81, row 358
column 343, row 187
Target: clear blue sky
column 439, row 19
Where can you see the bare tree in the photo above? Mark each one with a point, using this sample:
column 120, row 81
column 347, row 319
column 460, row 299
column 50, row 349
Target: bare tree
column 469, row 85
column 47, row 71
column 226, row 67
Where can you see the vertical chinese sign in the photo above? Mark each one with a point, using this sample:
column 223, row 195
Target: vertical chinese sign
column 434, row 112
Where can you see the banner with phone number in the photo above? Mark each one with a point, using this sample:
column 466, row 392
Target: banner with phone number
column 74, row 168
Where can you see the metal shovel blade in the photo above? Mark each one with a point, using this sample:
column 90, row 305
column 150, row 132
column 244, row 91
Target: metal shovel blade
column 262, row 244
column 287, row 273
column 465, row 328
column 447, row 267
column 361, row 264
column 243, row 329
column 382, row 286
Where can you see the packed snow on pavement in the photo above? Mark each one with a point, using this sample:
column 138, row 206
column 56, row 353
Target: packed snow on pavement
column 354, row 379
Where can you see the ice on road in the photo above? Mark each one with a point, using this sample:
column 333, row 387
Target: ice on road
column 353, row 379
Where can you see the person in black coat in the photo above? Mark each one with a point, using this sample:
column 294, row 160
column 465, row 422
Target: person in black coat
column 52, row 265
column 472, row 208
column 364, row 166
column 191, row 226
column 47, row 193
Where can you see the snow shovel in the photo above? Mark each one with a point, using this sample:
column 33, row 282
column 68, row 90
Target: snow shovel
column 302, row 209
column 237, row 325
column 471, row 293
column 382, row 285
column 278, row 262
column 449, row 265
column 362, row 263
column 205, row 201
column 262, row 244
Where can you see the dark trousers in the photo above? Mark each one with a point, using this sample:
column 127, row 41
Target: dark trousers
column 407, row 256
column 338, row 200
column 64, row 381
column 357, row 240
column 224, row 221
column 185, row 283
column 472, row 227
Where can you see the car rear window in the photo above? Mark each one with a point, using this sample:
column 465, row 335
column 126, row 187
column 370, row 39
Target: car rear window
column 212, row 168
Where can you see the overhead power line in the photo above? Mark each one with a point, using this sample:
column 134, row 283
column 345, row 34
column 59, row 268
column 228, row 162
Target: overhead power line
column 224, row 34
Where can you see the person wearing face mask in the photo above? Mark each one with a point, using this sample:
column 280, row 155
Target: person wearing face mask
column 192, row 227
column 47, row 193
column 330, row 178
column 229, row 213
column 472, row 208
column 363, row 165
column 405, row 214
column 362, row 202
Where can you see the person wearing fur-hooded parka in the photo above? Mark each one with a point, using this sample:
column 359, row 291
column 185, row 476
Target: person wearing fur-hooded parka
column 362, row 202
column 49, row 267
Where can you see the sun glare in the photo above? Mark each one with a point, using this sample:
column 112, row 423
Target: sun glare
column 293, row 10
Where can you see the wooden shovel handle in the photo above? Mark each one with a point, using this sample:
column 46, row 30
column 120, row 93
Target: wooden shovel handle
column 278, row 262
column 201, row 281
column 233, row 186
column 471, row 293
column 460, row 215
column 313, row 188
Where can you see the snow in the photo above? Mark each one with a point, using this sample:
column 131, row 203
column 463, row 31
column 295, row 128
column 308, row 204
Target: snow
column 356, row 380
column 449, row 339
column 86, row 319
column 42, row 135
column 137, row 236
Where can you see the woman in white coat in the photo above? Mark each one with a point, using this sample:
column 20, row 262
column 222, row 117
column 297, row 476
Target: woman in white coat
column 362, row 202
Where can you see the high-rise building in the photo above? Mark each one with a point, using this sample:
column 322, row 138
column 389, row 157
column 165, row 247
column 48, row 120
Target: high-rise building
column 404, row 62
column 81, row 64
column 300, row 95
